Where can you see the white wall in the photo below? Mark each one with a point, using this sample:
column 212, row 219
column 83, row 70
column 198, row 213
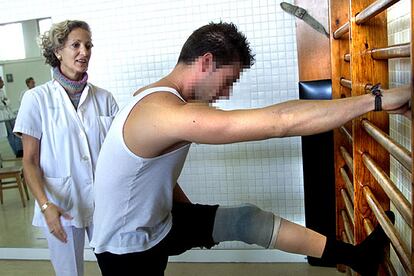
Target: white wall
column 31, row 33
column 137, row 42
column 398, row 17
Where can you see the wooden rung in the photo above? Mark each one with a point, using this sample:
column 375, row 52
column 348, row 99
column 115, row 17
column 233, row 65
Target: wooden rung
column 341, row 31
column 347, row 57
column 347, row 226
column 348, row 159
column 399, row 152
column 344, row 237
column 348, row 184
column 347, row 134
column 395, row 51
column 395, row 195
column 373, row 9
column 401, row 250
column 368, row 226
column 348, row 205
column 346, row 83
column 389, row 267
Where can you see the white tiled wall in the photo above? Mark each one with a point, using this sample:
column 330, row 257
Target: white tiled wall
column 137, row 42
column 400, row 127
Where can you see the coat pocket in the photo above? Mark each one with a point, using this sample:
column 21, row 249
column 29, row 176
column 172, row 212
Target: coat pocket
column 58, row 190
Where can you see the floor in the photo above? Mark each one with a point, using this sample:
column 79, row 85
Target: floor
column 43, row 268
column 17, row 232
column 15, row 221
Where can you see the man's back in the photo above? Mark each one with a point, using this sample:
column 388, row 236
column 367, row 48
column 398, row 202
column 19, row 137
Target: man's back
column 133, row 201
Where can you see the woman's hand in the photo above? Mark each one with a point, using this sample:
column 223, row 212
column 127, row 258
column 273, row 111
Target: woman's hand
column 52, row 215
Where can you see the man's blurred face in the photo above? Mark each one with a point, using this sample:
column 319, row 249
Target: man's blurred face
column 219, row 83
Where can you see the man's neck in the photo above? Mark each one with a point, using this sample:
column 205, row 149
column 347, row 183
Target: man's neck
column 181, row 80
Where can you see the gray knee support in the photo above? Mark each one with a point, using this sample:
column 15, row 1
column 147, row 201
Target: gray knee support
column 246, row 223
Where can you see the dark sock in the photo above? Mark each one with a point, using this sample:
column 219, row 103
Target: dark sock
column 365, row 257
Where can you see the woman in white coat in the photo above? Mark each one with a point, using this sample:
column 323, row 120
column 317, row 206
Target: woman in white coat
column 63, row 124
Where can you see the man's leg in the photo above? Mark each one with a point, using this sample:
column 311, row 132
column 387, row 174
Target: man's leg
column 133, row 264
column 295, row 238
column 246, row 223
column 192, row 227
column 363, row 258
column 252, row 225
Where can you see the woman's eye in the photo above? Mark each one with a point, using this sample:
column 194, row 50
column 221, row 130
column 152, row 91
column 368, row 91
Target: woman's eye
column 75, row 45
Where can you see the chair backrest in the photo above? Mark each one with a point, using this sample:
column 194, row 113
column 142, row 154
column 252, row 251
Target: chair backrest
column 11, row 162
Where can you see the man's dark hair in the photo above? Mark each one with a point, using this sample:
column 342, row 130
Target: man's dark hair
column 28, row 80
column 222, row 40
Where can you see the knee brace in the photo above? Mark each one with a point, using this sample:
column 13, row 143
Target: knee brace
column 247, row 223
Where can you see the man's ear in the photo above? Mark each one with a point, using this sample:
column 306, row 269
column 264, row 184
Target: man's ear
column 207, row 63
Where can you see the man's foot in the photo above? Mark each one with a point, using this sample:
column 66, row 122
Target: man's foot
column 370, row 252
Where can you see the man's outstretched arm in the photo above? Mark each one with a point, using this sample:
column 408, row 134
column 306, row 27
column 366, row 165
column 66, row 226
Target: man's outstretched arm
column 202, row 124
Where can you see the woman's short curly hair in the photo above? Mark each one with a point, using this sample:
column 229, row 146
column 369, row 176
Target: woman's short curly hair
column 55, row 38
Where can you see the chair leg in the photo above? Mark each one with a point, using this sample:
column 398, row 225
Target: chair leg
column 25, row 187
column 19, row 186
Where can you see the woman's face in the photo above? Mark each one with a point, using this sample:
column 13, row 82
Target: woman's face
column 75, row 54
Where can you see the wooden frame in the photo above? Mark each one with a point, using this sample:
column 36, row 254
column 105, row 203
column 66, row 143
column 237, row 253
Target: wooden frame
column 359, row 58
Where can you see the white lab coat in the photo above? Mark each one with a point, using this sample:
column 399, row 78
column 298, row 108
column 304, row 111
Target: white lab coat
column 4, row 113
column 70, row 141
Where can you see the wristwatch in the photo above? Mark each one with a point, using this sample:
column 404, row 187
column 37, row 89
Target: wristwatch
column 45, row 205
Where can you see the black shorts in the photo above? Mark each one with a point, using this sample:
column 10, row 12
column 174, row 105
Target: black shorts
column 192, row 227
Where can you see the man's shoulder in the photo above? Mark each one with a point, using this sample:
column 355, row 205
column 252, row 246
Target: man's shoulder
column 160, row 96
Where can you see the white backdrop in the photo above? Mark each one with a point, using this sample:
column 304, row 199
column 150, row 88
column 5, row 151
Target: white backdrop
column 137, row 42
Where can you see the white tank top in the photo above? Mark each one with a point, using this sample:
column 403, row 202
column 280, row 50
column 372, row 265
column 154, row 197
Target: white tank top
column 133, row 195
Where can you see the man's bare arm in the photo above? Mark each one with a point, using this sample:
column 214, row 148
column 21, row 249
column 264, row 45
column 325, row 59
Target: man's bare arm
column 298, row 117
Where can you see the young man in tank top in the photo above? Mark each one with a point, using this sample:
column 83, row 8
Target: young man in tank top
column 141, row 214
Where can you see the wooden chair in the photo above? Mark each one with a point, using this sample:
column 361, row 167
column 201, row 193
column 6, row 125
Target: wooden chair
column 12, row 177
